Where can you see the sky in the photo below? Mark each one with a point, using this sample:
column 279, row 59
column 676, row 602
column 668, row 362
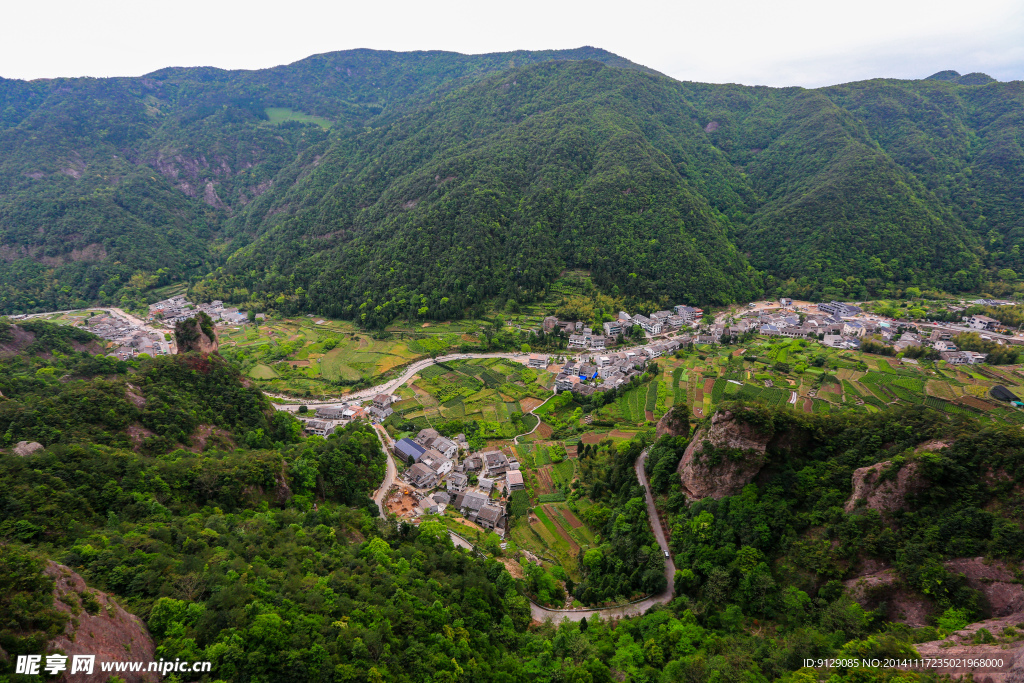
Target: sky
column 769, row 42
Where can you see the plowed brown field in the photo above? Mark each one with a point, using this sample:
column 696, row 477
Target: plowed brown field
column 544, row 483
column 571, row 518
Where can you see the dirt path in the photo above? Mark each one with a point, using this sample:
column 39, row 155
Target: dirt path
column 540, row 422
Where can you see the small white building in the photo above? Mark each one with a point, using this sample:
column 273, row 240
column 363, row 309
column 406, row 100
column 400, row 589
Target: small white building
column 982, row 322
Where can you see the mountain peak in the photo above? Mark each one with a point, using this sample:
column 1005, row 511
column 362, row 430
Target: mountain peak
column 975, row 78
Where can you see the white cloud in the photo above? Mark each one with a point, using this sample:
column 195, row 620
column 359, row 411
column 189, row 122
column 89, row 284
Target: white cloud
column 785, row 42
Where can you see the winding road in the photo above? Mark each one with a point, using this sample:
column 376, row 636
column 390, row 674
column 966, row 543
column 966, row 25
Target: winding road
column 633, row 609
column 515, row 439
column 389, row 476
column 536, row 611
column 390, row 386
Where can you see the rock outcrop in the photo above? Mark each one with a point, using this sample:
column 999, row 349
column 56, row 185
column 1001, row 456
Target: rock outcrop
column 1002, row 588
column 885, row 495
column 724, row 474
column 675, row 422
column 1004, row 641
column 886, row 588
column 98, row 626
column 27, row 448
column 196, row 334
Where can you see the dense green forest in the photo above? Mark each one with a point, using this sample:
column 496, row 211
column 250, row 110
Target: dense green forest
column 53, row 394
column 376, row 185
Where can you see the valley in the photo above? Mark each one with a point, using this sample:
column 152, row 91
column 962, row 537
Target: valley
column 531, row 367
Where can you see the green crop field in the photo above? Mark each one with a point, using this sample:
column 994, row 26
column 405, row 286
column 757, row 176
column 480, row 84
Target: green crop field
column 558, row 497
column 519, row 503
column 563, row 472
column 651, row 401
column 262, row 372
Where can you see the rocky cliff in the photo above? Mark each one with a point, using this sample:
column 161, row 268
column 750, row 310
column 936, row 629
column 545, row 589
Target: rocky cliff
column 886, row 588
column 881, row 490
column 1002, row 587
column 1000, row 640
column 722, row 458
column 196, row 334
column 98, row 626
column 676, row 422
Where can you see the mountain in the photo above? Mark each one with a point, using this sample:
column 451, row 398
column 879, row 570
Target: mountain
column 371, row 185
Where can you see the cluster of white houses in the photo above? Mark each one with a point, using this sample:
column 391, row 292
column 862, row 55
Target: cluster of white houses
column 131, row 340
column 327, row 418
column 589, row 374
column 659, row 322
column 179, row 308
column 839, row 325
column 435, row 460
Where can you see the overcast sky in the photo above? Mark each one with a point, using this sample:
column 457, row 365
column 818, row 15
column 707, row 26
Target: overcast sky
column 767, row 42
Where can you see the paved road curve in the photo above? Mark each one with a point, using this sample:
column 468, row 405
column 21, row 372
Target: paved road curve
column 391, row 386
column 389, row 477
column 543, row 614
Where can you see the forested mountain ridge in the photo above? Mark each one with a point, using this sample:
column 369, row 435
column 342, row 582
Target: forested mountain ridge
column 447, row 180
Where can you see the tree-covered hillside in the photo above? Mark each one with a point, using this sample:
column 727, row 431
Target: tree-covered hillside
column 372, row 185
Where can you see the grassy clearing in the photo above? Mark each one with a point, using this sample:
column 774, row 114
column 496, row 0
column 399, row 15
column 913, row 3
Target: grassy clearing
column 278, row 115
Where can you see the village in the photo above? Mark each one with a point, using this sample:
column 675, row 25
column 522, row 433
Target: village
column 178, row 308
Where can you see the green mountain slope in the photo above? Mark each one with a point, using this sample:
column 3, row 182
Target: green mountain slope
column 379, row 184
column 495, row 189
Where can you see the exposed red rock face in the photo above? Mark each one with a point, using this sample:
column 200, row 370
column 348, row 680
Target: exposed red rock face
column 1002, row 589
column 675, row 422
column 885, row 586
column 888, row 495
column 703, row 478
column 967, row 644
column 112, row 634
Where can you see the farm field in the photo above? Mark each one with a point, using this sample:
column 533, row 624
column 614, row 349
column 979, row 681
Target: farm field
column 299, row 357
column 829, row 380
column 490, row 391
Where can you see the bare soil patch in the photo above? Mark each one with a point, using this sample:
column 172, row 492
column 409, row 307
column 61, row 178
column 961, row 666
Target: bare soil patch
column 528, row 404
column 207, row 433
column 137, row 433
column 544, row 483
column 974, row 403
column 619, row 434
column 401, row 503
column 544, row 430
column 808, row 405
column 709, row 385
column 513, row 567
column 571, row 518
column 649, row 415
column 591, row 437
